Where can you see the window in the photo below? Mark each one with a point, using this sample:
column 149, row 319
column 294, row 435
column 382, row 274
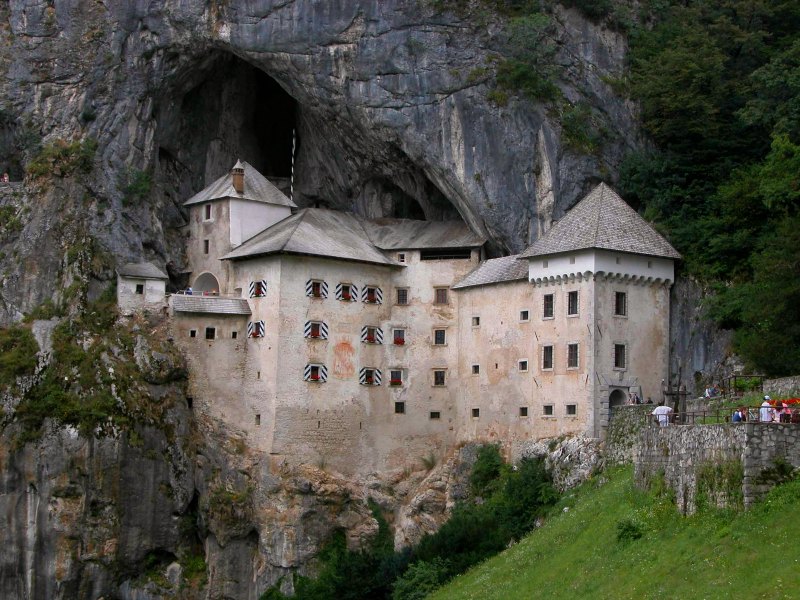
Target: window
column 435, row 415
column 189, row 402
column 399, row 336
column 439, row 377
column 396, row 377
column 619, row 356
column 476, row 369
column 544, row 264
column 523, row 365
column 547, row 410
column 372, row 295
column 401, row 257
column 316, row 330
column 572, row 356
column 547, row 357
column 445, row 254
column 440, row 295
column 572, row 260
column 572, row 410
column 649, row 264
column 140, row 288
column 371, row 335
column 368, row 377
column 316, row 288
column 256, row 329
column 205, row 246
column 258, row 289
column 234, row 335
column 620, row 304
column 258, row 420
column 399, row 408
column 207, row 215
column 193, row 333
column 476, row 321
column 439, row 337
column 316, row 373
column 618, row 260
column 547, row 312
column 572, row 303
column 524, row 315
column 523, row 411
column 476, row 412
column 346, row 292
column 402, row 296
column 211, row 333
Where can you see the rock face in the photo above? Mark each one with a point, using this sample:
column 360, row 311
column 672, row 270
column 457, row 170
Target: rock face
column 388, row 101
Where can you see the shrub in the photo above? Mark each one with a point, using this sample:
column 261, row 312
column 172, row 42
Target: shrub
column 486, row 470
column 629, row 529
column 18, row 350
column 62, row 158
column 421, row 579
column 137, row 186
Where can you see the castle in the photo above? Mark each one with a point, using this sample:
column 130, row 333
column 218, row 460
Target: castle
column 367, row 345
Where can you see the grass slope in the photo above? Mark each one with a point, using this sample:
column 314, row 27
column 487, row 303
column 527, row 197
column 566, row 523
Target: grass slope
column 578, row 553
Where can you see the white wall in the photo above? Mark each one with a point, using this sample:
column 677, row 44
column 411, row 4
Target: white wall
column 601, row 261
column 249, row 218
column 154, row 295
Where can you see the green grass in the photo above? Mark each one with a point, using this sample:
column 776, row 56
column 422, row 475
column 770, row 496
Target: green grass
column 594, row 550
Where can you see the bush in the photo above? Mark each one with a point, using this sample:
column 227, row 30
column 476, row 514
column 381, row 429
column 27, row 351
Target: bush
column 486, row 470
column 420, row 580
column 18, row 350
column 62, row 158
column 629, row 529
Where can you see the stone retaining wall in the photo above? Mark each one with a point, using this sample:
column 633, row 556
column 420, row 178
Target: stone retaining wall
column 784, row 386
column 715, row 464
column 623, row 432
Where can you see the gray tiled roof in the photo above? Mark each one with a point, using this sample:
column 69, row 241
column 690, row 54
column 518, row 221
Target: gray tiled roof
column 256, row 188
column 317, row 232
column 495, row 270
column 142, row 270
column 210, row 304
column 405, row 234
column 602, row 220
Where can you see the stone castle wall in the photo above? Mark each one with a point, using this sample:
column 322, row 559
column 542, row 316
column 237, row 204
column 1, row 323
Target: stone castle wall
column 783, row 386
column 715, row 464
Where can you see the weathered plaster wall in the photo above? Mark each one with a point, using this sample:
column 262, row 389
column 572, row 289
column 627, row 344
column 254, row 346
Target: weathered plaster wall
column 153, row 296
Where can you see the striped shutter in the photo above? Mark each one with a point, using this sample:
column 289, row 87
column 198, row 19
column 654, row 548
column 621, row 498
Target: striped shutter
column 378, row 335
column 255, row 329
column 353, row 291
column 323, row 372
column 376, row 376
column 263, row 291
column 323, row 329
column 378, row 295
column 323, row 288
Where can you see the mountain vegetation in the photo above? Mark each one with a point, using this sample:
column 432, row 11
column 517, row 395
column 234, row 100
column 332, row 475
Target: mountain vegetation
column 609, row 540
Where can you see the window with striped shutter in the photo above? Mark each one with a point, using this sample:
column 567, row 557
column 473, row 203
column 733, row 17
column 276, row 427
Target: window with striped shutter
column 258, row 289
column 369, row 376
column 372, row 295
column 317, row 373
column 317, row 330
column 255, row 329
column 316, row 288
column 346, row 292
column 371, row 335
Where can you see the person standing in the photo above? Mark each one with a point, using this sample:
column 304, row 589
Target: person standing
column 766, row 413
column 662, row 414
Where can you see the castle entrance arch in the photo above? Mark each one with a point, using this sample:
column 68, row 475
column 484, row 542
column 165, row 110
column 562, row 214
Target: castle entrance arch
column 206, row 284
column 617, row 398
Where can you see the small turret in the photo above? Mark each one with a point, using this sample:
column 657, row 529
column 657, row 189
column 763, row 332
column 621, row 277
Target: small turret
column 237, row 176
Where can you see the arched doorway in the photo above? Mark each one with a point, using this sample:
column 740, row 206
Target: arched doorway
column 206, row 284
column 617, row 398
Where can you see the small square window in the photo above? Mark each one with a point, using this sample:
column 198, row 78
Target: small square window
column 401, row 257
column 619, row 356
column 369, row 376
column 205, row 246
column 547, row 410
column 440, row 296
column 399, row 337
column 523, row 411
column 439, row 377
column 544, row 264
column 439, row 337
column 207, row 212
column 316, row 289
column 346, row 292
column 547, row 308
column 189, row 402
column 572, row 410
column 193, row 333
column 572, row 260
column 314, row 331
column 435, row 415
column 572, row 356
column 547, row 357
column 402, row 296
column 620, row 304
column 396, row 377
column 313, row 373
column 523, row 365
column 618, row 260
column 372, row 295
column 211, row 333
column 572, row 303
column 524, row 315
column 476, row 321
column 649, row 264
column 140, row 288
column 258, row 420
column 476, row 412
column 234, row 335
column 371, row 337
column 476, row 369
column 399, row 408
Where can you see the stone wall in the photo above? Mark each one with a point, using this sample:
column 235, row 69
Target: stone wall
column 784, row 386
column 718, row 465
column 623, row 432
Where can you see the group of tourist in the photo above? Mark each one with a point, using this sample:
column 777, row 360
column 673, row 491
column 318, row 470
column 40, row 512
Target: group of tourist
column 777, row 412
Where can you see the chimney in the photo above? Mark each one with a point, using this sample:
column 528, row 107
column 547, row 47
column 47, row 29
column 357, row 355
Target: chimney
column 237, row 175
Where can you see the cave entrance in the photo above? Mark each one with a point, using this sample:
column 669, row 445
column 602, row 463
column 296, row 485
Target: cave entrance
column 222, row 110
